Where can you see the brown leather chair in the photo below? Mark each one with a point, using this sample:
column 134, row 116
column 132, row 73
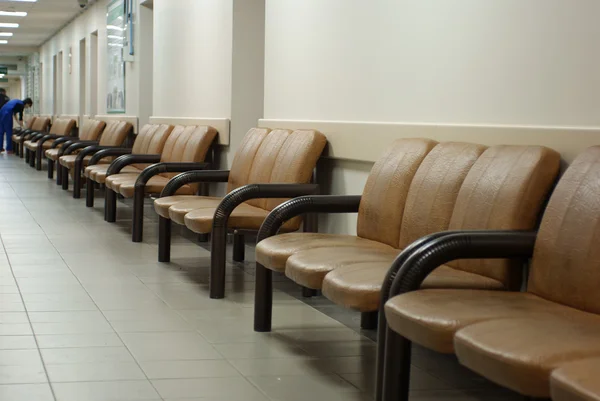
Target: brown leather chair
column 61, row 128
column 515, row 339
column 268, row 166
column 18, row 131
column 149, row 142
column 185, row 150
column 89, row 131
column 78, row 155
column 576, row 381
column 39, row 127
column 453, row 186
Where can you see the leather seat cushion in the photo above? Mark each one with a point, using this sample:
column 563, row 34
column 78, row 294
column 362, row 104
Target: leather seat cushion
column 97, row 172
column 52, row 154
column 115, row 181
column 432, row 317
column 162, row 205
column 273, row 252
column 521, row 353
column 178, row 210
column 576, row 381
column 69, row 161
column 154, row 186
column 34, row 145
column 309, row 267
column 358, row 285
column 244, row 216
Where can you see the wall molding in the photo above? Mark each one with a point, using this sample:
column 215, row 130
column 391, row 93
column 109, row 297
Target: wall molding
column 133, row 120
column 366, row 141
column 71, row 117
column 222, row 125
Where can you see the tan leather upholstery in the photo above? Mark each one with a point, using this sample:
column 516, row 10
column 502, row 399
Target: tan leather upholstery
column 244, row 216
column 184, row 144
column 358, row 285
column 89, row 131
column 61, row 126
column 521, row 178
column 576, row 381
column 283, row 157
column 521, row 353
column 517, row 339
column 244, row 157
column 309, row 267
column 386, row 190
column 430, row 201
column 40, row 124
column 162, row 205
column 114, row 134
column 274, row 252
column 566, row 262
column 493, row 193
column 150, row 140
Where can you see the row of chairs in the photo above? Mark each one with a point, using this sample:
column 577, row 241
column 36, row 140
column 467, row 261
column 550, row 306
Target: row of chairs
column 444, row 235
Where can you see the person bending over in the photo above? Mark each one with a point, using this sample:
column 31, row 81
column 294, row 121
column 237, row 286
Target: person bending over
column 12, row 109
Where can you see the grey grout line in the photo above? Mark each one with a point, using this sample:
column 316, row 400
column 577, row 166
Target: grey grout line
column 29, row 320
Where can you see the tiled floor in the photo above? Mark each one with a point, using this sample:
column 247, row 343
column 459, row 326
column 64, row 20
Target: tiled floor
column 85, row 314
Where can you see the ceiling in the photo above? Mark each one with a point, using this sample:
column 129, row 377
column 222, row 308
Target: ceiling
column 44, row 18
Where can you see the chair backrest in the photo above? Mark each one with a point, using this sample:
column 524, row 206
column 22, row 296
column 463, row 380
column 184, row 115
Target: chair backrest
column 188, row 144
column 566, row 261
column 62, row 126
column 115, row 133
column 434, row 189
column 505, row 189
column 29, row 122
column 150, row 141
column 242, row 162
column 296, row 161
column 91, row 130
column 40, row 124
column 385, row 193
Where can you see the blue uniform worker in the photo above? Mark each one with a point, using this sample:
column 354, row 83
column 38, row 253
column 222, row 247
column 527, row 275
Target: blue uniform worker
column 13, row 108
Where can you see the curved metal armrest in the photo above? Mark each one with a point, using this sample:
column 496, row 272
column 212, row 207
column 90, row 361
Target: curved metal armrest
column 78, row 145
column 108, row 153
column 258, row 191
column 459, row 245
column 48, row 137
column 159, row 168
column 89, row 150
column 127, row 159
column 60, row 141
column 306, row 204
column 193, row 176
column 37, row 136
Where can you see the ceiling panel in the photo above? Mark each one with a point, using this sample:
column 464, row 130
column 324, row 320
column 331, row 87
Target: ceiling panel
column 44, row 19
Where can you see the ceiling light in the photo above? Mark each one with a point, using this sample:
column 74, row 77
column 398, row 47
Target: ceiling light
column 13, row 13
column 6, row 34
column 18, row 1
column 8, row 25
column 3, row 42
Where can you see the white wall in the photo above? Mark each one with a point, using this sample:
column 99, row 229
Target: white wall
column 192, row 58
column 455, row 61
column 94, row 19
column 91, row 21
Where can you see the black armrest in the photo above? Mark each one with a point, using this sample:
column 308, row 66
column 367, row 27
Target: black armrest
column 257, row 191
column 459, row 245
column 306, row 204
column 48, row 137
column 159, row 168
column 128, row 159
column 78, row 145
column 193, row 176
column 36, row 136
column 108, row 153
column 62, row 140
column 189, row 177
